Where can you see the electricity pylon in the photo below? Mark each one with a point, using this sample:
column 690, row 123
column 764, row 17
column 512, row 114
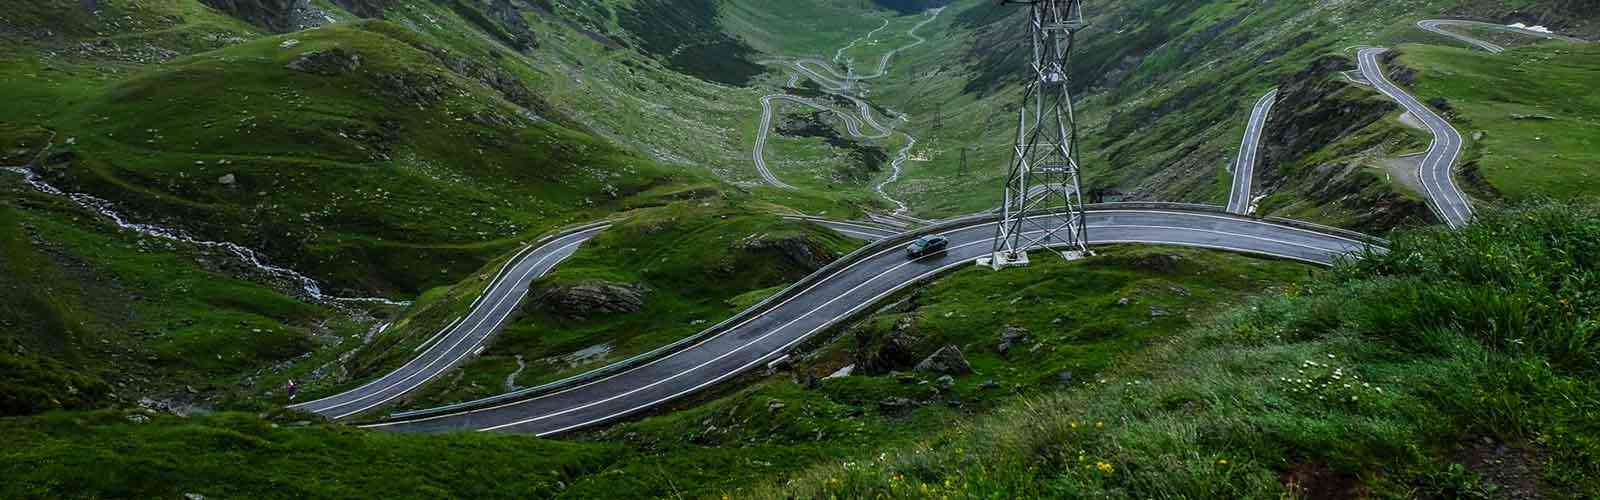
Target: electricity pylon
column 1043, row 207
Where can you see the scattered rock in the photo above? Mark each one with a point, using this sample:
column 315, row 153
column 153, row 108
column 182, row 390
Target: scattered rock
column 1159, row 312
column 988, row 384
column 904, row 378
column 138, row 418
column 945, row 382
column 193, row 496
column 842, row 372
column 583, row 300
column 775, row 406
column 803, row 252
column 1532, row 117
column 416, row 89
column 1123, row 301
column 1012, row 336
column 894, row 351
column 891, row 404
column 1161, row 263
column 1065, row 377
column 947, row 360
column 227, row 180
column 1512, row 471
column 330, row 62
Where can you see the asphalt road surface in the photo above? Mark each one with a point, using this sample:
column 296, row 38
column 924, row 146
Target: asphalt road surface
column 462, row 338
column 1437, row 26
column 836, row 84
column 757, row 340
column 1436, row 167
column 858, row 230
column 1244, row 169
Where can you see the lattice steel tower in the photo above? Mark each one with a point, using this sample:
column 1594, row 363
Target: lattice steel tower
column 1043, row 206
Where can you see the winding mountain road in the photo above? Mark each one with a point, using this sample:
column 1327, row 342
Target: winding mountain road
column 767, row 331
column 463, row 337
column 1437, row 166
column 1437, row 26
column 756, row 339
column 1244, row 169
column 837, row 84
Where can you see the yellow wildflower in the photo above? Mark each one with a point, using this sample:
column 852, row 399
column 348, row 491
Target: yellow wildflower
column 1104, row 467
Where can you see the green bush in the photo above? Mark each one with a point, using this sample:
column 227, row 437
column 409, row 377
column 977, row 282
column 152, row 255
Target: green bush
column 1369, row 381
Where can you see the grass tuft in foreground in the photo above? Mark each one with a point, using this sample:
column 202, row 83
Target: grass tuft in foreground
column 1441, row 369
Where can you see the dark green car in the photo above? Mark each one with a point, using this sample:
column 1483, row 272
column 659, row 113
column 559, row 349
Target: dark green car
column 927, row 245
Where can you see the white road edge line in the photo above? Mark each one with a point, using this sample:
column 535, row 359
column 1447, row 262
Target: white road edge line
column 863, row 260
column 747, row 366
column 525, row 276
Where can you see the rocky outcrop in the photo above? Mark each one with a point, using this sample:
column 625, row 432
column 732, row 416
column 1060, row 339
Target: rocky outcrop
column 277, row 16
column 414, row 89
column 947, row 361
column 332, row 62
column 895, row 350
column 800, row 250
column 370, row 9
column 1162, row 263
column 273, row 15
column 1318, row 115
column 584, row 300
column 499, row 18
column 1011, row 337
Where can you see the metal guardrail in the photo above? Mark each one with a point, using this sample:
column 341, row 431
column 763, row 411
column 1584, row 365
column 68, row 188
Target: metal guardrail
column 805, row 283
column 1221, row 210
column 669, row 349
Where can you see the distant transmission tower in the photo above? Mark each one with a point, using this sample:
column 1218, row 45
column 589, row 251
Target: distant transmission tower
column 1043, row 207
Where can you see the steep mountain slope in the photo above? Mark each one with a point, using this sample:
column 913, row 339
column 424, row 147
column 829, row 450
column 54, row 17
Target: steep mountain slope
column 1164, row 90
column 192, row 185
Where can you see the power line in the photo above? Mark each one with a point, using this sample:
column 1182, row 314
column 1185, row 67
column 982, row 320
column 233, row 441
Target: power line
column 1043, row 205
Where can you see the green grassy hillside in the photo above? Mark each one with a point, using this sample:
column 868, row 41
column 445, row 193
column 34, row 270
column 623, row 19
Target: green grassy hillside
column 1458, row 365
column 1164, row 90
column 1529, row 113
column 693, row 263
column 732, row 440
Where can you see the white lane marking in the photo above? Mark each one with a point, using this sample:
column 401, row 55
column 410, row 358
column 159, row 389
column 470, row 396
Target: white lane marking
column 851, row 266
column 1233, row 218
column 458, row 342
column 852, row 232
column 1433, row 25
column 869, row 280
column 733, row 328
column 758, row 361
column 731, row 352
column 1444, row 134
column 471, row 309
column 479, row 342
column 436, row 336
column 830, row 222
column 1245, row 168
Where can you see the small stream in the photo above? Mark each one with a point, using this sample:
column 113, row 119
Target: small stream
column 308, row 286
